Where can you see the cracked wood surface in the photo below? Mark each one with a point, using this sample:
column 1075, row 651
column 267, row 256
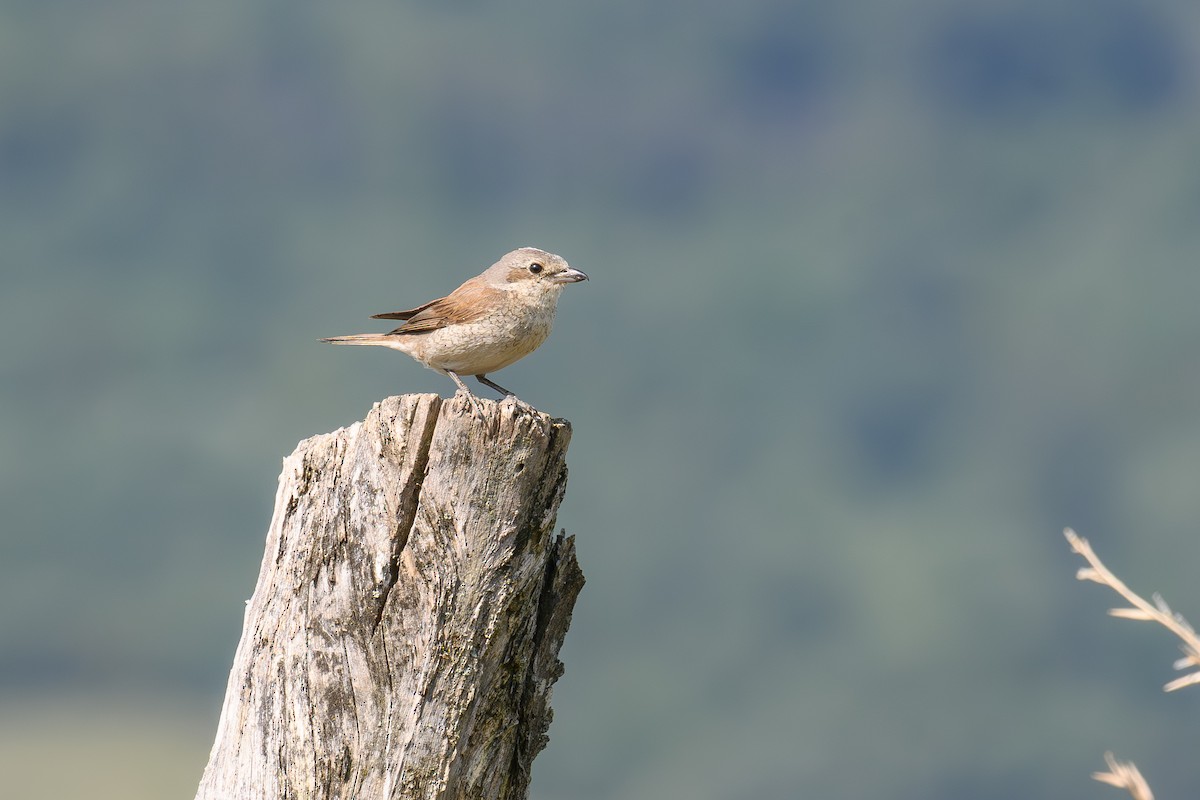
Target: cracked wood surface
column 403, row 636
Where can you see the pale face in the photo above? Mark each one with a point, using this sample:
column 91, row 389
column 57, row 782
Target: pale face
column 533, row 267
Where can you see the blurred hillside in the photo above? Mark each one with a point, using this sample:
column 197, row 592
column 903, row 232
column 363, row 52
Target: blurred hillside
column 883, row 296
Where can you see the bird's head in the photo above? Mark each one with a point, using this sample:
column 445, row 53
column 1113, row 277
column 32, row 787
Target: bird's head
column 529, row 267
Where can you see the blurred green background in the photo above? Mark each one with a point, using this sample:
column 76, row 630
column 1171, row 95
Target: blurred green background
column 884, row 294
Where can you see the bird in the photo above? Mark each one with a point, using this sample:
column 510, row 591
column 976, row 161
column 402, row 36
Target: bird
column 489, row 322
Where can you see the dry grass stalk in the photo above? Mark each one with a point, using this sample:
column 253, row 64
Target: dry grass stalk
column 1142, row 609
column 1124, row 775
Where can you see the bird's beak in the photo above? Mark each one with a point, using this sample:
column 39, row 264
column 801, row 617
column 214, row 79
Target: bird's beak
column 570, row 275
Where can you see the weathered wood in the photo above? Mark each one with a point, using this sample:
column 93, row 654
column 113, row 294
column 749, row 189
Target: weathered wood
column 403, row 636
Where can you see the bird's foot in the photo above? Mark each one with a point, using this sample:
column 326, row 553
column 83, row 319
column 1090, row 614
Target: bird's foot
column 516, row 401
column 472, row 399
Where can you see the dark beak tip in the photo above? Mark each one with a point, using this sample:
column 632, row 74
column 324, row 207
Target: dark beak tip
column 573, row 276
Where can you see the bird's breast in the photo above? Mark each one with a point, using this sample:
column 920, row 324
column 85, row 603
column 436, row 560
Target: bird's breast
column 489, row 343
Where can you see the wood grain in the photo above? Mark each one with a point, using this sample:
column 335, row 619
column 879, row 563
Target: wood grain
column 403, row 636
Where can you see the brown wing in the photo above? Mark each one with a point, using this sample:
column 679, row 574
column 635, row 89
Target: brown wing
column 467, row 303
column 403, row 314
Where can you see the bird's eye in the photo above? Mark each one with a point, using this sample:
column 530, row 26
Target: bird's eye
column 536, row 268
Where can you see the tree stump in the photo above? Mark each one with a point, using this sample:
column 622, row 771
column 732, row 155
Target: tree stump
column 403, row 636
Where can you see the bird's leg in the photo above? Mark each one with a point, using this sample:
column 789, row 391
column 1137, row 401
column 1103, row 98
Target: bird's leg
column 484, row 380
column 462, row 387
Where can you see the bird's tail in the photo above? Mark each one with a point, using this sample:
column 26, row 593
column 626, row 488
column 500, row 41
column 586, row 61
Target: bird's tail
column 361, row 338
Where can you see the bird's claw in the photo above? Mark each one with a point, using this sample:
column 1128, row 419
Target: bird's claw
column 472, row 399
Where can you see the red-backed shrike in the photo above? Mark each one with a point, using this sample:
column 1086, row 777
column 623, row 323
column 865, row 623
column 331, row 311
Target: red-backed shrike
column 494, row 319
